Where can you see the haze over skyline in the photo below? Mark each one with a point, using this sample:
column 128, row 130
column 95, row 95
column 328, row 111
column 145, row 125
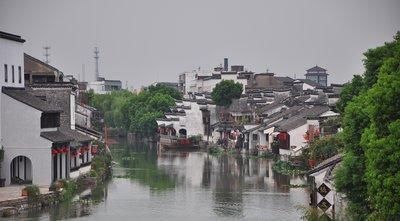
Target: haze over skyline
column 146, row 41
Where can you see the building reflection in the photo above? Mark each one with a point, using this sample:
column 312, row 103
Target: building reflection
column 230, row 178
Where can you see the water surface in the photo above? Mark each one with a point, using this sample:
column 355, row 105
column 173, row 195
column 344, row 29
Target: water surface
column 153, row 185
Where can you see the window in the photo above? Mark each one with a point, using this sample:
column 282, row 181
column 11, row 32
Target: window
column 19, row 75
column 12, row 74
column 50, row 120
column 5, row 73
column 255, row 137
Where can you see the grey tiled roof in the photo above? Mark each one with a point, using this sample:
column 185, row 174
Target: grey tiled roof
column 239, row 106
column 11, row 37
column 300, row 119
column 316, row 68
column 29, row 99
column 56, row 136
column 290, row 123
column 326, row 163
column 65, row 135
column 284, row 79
column 315, row 111
column 309, row 82
column 76, row 135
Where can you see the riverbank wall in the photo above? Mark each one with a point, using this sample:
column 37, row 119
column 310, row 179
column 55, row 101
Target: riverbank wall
column 100, row 171
column 15, row 206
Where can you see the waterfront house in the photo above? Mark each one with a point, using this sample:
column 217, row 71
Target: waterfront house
column 88, row 120
column 323, row 194
column 63, row 95
column 29, row 133
column 37, row 119
column 189, row 118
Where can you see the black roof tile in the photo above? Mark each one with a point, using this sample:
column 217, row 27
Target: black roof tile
column 29, row 99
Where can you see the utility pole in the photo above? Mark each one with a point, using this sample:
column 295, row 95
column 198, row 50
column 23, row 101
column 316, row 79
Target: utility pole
column 46, row 54
column 96, row 57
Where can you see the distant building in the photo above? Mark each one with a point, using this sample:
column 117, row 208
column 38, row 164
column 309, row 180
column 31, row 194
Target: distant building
column 103, row 86
column 318, row 75
column 173, row 85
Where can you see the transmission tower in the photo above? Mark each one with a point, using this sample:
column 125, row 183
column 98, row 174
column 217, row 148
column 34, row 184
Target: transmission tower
column 46, row 54
column 96, row 57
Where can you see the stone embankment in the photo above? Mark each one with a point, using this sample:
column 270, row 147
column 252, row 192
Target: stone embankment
column 10, row 207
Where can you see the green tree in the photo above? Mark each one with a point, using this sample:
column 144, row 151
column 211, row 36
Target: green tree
column 324, row 147
column 370, row 172
column 135, row 113
column 350, row 90
column 161, row 102
column 374, row 59
column 225, row 91
column 165, row 90
column 381, row 141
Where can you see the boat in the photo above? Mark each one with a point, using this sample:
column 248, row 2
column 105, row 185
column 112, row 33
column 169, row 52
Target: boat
column 175, row 142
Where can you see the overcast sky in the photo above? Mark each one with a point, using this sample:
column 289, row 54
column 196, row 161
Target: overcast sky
column 144, row 41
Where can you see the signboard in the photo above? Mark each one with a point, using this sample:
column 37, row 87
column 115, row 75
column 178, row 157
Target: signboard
column 324, row 204
column 323, row 189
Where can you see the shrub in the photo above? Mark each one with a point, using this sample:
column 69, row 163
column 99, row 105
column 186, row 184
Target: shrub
column 69, row 190
column 33, row 193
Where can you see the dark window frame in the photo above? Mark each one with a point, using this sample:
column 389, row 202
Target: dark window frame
column 5, row 73
column 19, row 74
column 50, row 120
column 12, row 74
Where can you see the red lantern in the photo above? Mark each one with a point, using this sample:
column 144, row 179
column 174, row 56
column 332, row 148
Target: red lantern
column 53, row 152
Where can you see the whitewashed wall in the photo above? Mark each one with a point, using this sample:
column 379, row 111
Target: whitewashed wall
column 11, row 53
column 319, row 180
column 193, row 121
column 20, row 119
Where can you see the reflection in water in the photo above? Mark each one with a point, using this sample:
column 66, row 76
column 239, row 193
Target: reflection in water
column 151, row 185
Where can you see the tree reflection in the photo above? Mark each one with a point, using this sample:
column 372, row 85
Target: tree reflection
column 234, row 176
column 139, row 161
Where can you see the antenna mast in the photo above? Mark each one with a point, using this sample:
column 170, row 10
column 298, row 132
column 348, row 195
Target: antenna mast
column 46, row 54
column 96, row 57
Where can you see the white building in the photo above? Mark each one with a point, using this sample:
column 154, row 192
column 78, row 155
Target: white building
column 11, row 63
column 199, row 81
column 37, row 126
column 23, row 113
column 189, row 119
column 103, row 86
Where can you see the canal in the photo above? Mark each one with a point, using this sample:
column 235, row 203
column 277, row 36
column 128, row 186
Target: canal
column 148, row 185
